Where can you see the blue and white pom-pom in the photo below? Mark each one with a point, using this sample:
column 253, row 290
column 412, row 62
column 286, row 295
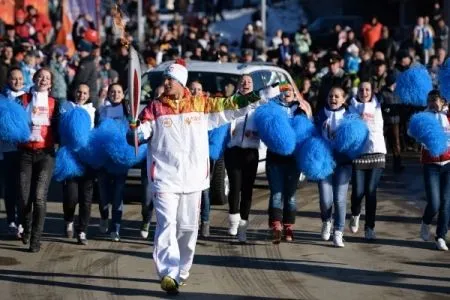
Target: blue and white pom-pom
column 444, row 80
column 67, row 165
column 274, row 128
column 315, row 158
column 426, row 129
column 14, row 122
column 218, row 139
column 413, row 86
column 351, row 136
column 74, row 128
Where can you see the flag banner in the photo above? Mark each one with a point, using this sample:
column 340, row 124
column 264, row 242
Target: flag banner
column 7, row 11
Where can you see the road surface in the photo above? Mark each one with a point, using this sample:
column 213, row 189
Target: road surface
column 397, row 266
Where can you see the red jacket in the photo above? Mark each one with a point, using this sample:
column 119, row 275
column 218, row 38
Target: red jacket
column 427, row 158
column 48, row 133
column 23, row 30
column 371, row 34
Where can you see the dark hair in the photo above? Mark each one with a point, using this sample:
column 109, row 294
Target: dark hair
column 371, row 88
column 38, row 72
column 113, row 84
column 434, row 95
column 12, row 69
column 78, row 86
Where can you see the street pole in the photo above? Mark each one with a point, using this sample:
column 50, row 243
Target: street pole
column 263, row 19
column 140, row 24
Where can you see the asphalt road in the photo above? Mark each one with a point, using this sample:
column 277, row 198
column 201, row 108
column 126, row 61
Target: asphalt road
column 397, row 266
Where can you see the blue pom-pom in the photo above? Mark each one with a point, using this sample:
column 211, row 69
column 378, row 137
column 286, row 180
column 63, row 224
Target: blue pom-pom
column 444, row 80
column 117, row 147
column 74, row 128
column 351, row 136
column 413, row 86
column 303, row 128
column 67, row 165
column 14, row 122
column 94, row 153
column 274, row 128
column 426, row 129
column 218, row 139
column 315, row 158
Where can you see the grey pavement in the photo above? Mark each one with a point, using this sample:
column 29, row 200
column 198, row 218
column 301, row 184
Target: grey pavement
column 396, row 266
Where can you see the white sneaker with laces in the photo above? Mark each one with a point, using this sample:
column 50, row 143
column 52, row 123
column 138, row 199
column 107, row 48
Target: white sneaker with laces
column 326, row 230
column 242, row 231
column 115, row 237
column 104, row 226
column 425, row 231
column 338, row 239
column 354, row 224
column 441, row 245
column 370, row 234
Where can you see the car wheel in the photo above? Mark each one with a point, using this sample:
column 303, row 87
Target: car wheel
column 219, row 184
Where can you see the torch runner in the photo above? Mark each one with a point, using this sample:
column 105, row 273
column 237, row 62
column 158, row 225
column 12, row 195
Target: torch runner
column 134, row 73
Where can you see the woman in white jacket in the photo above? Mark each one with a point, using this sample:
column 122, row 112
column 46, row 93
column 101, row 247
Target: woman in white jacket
column 79, row 189
column 367, row 168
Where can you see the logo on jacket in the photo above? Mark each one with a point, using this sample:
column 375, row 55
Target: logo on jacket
column 167, row 122
column 193, row 119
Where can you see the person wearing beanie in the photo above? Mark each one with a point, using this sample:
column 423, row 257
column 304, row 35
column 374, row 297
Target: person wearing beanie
column 176, row 127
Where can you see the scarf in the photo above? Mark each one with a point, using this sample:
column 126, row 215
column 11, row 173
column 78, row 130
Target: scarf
column 39, row 114
column 334, row 119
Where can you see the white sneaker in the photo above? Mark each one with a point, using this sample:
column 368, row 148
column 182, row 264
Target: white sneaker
column 326, row 230
column 69, row 230
column 104, row 226
column 425, row 231
column 242, row 231
column 370, row 234
column 354, row 224
column 234, row 224
column 338, row 240
column 115, row 237
column 441, row 245
column 19, row 231
column 12, row 229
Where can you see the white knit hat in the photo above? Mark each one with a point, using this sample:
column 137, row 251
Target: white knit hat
column 177, row 72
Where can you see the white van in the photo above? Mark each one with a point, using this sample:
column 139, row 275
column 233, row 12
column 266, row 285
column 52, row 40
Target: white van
column 214, row 76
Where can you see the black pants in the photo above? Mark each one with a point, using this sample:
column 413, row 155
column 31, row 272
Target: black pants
column 241, row 165
column 36, row 169
column 146, row 200
column 10, row 170
column 79, row 190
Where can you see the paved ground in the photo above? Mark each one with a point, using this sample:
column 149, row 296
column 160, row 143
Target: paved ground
column 397, row 266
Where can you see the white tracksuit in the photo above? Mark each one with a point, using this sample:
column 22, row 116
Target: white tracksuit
column 178, row 168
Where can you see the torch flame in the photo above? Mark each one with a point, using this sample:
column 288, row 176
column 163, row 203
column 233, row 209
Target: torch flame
column 119, row 24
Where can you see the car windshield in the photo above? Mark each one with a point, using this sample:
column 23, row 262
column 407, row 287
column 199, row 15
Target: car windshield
column 214, row 83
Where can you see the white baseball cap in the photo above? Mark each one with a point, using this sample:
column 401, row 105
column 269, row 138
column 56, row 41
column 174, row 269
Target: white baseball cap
column 177, row 72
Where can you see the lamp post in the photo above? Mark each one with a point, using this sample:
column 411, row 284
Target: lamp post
column 263, row 20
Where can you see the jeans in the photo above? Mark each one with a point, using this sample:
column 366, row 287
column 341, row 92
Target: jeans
column 283, row 180
column 333, row 190
column 35, row 173
column 10, row 180
column 79, row 190
column 241, row 165
column 365, row 183
column 437, row 189
column 111, row 191
column 146, row 200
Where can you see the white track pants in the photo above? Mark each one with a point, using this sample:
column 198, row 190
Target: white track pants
column 176, row 233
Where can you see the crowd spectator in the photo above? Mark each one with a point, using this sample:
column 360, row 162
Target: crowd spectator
column 372, row 32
